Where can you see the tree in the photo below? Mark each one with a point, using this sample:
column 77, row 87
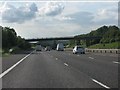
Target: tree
column 10, row 39
column 109, row 34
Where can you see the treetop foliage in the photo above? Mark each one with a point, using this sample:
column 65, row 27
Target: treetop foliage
column 10, row 39
column 109, row 34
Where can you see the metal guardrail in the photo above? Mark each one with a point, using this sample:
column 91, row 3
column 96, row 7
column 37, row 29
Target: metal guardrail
column 115, row 51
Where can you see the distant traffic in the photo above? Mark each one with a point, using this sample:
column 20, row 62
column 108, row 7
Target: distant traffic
column 60, row 47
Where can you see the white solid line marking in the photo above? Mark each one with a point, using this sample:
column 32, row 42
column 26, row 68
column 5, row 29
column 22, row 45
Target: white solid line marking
column 100, row 84
column 78, row 55
column 91, row 58
column 65, row 64
column 8, row 70
column 116, row 62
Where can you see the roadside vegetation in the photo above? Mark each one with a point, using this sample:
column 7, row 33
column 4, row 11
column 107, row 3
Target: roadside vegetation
column 114, row 45
column 110, row 38
column 11, row 42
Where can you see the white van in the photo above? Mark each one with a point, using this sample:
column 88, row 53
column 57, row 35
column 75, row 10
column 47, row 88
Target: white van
column 60, row 47
column 38, row 48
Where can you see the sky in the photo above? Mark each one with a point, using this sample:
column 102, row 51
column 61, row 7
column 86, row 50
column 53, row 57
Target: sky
column 44, row 19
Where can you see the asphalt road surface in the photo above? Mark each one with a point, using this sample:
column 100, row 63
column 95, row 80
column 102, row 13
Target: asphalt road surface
column 60, row 69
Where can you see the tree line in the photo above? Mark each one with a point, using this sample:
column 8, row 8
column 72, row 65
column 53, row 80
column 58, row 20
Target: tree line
column 11, row 40
column 109, row 34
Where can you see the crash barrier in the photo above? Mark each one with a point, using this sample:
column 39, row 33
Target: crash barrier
column 116, row 51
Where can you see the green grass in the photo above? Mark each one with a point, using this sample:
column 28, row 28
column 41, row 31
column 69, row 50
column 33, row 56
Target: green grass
column 0, row 50
column 114, row 45
column 5, row 54
column 73, row 45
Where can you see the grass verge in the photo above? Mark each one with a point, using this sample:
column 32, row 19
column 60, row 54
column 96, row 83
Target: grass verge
column 114, row 45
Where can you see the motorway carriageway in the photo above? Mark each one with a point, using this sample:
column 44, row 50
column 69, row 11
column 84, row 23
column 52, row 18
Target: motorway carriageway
column 60, row 69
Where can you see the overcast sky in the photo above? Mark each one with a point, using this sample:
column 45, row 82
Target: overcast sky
column 57, row 19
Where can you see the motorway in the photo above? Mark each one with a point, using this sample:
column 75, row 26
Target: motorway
column 60, row 69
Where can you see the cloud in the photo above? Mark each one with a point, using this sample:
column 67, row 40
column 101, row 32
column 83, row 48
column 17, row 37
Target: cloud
column 106, row 15
column 51, row 9
column 33, row 7
column 82, row 18
column 86, row 18
column 21, row 14
column 58, row 19
column 2, row 6
column 36, row 30
column 64, row 18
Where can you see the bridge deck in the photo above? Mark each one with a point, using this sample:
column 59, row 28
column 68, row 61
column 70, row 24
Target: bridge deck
column 64, row 38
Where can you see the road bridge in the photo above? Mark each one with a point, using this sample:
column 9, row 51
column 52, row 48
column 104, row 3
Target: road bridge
column 63, row 38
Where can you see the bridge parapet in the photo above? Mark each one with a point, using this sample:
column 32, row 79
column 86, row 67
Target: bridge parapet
column 64, row 38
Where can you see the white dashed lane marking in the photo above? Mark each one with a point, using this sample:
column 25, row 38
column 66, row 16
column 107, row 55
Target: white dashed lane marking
column 65, row 64
column 56, row 58
column 91, row 57
column 103, row 85
column 116, row 62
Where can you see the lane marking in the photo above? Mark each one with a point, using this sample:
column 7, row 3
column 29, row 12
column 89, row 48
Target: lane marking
column 56, row 58
column 12, row 67
column 103, row 85
column 78, row 55
column 69, row 54
column 116, row 62
column 91, row 57
column 65, row 64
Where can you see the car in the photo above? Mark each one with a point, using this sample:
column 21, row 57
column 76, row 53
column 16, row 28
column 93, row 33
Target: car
column 38, row 48
column 78, row 49
column 60, row 47
column 47, row 48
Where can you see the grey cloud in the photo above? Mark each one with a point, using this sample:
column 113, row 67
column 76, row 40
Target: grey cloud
column 87, row 19
column 82, row 18
column 33, row 7
column 19, row 15
column 106, row 16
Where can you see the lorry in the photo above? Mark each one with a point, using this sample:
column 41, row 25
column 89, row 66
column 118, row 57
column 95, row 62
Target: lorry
column 38, row 48
column 60, row 47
